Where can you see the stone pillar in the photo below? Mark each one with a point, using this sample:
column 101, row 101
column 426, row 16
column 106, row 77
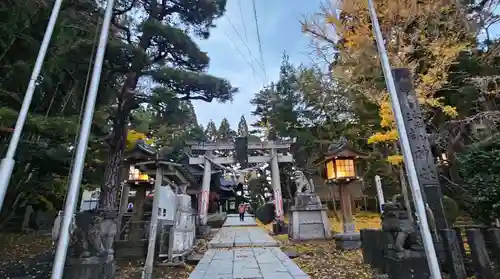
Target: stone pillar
column 424, row 162
column 276, row 184
column 205, row 192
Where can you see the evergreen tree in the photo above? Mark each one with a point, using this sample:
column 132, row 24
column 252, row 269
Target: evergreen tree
column 225, row 133
column 52, row 121
column 157, row 46
column 243, row 127
column 263, row 109
column 198, row 134
column 276, row 106
column 211, row 131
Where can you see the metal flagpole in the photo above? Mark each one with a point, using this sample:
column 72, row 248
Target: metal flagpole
column 81, row 149
column 7, row 164
column 405, row 146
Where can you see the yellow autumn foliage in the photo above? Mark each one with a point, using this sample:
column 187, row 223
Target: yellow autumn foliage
column 395, row 160
column 424, row 36
column 132, row 138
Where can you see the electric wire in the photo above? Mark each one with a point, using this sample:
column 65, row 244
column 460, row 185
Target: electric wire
column 255, row 73
column 84, row 97
column 246, row 45
column 258, row 39
column 243, row 21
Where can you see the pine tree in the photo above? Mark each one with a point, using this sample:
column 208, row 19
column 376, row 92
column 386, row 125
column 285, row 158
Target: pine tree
column 225, row 133
column 211, row 131
column 198, row 134
column 276, row 105
column 157, row 46
column 243, row 127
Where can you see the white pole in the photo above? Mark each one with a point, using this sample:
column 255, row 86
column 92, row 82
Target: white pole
column 205, row 191
column 380, row 192
column 276, row 184
column 7, row 164
column 405, row 146
column 81, row 149
column 153, row 226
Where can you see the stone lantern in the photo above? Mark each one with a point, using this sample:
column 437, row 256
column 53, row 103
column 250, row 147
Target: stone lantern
column 339, row 164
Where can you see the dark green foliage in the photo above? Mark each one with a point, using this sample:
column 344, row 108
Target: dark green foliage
column 478, row 168
column 225, row 133
column 243, row 127
column 44, row 154
column 451, row 209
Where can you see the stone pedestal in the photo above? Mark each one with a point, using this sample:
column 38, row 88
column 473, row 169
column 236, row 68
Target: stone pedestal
column 90, row 268
column 309, row 219
column 413, row 267
column 348, row 241
column 203, row 231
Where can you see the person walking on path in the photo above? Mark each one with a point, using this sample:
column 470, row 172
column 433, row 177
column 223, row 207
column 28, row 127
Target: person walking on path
column 241, row 210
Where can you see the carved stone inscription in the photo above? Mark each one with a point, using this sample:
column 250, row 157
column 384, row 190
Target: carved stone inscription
column 424, row 162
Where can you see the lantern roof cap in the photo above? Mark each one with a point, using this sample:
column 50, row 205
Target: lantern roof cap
column 341, row 148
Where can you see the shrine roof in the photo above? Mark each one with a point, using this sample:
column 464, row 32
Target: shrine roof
column 147, row 159
column 341, row 148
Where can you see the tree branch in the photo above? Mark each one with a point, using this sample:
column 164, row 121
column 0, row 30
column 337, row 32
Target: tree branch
column 189, row 97
column 117, row 12
column 123, row 28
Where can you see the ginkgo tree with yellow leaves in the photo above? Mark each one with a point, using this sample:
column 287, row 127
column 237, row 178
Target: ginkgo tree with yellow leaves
column 423, row 36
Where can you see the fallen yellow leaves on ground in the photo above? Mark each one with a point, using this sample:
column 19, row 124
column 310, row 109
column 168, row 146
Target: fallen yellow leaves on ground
column 363, row 220
column 320, row 259
column 134, row 271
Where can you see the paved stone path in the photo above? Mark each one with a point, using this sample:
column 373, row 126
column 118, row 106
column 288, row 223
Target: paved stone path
column 253, row 259
column 233, row 220
column 229, row 237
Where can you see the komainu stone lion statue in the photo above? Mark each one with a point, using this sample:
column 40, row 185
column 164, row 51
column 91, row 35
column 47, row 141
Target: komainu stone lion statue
column 92, row 234
column 405, row 235
column 302, row 182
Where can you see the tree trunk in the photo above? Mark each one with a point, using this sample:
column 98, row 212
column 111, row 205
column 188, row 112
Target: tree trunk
column 126, row 103
column 112, row 175
column 109, row 191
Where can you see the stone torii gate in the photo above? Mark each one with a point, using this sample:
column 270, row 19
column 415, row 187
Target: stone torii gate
column 241, row 146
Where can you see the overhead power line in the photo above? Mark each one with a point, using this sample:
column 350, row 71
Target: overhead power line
column 243, row 21
column 246, row 46
column 255, row 73
column 258, row 39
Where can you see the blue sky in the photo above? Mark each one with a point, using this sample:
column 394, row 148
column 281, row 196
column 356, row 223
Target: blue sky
column 280, row 31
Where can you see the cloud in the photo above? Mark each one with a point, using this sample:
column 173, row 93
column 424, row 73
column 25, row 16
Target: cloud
column 234, row 51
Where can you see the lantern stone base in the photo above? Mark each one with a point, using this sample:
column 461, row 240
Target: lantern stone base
column 348, row 241
column 92, row 267
column 203, row 231
column 309, row 219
